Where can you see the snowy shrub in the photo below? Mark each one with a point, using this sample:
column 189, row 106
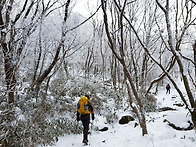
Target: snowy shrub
column 8, row 128
column 47, row 118
column 33, row 125
column 63, row 125
column 106, row 101
column 111, row 117
column 149, row 102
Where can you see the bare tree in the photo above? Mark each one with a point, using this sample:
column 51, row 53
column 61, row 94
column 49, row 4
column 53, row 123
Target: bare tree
column 16, row 25
column 175, row 46
column 13, row 38
column 47, row 71
column 183, row 21
column 119, row 53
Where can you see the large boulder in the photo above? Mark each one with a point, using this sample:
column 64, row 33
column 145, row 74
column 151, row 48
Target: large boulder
column 126, row 119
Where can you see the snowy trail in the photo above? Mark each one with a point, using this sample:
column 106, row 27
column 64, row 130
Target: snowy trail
column 112, row 138
column 159, row 133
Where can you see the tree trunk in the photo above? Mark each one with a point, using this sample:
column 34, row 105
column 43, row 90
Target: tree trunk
column 141, row 116
column 194, row 51
column 10, row 69
column 114, row 72
column 120, row 57
column 10, row 79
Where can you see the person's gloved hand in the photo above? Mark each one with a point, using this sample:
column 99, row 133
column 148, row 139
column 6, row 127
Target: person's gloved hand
column 93, row 116
column 78, row 118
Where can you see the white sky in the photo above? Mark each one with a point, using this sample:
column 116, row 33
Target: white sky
column 85, row 6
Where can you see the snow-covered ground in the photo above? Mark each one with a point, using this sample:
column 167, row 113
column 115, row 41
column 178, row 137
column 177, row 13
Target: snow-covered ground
column 159, row 133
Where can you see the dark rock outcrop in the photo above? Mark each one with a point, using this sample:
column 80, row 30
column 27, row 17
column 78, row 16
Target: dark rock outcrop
column 166, row 109
column 103, row 129
column 126, row 119
column 190, row 127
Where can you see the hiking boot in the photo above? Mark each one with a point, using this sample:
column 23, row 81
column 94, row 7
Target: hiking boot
column 85, row 142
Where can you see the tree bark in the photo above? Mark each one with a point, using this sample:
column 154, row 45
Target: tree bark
column 9, row 72
column 121, row 58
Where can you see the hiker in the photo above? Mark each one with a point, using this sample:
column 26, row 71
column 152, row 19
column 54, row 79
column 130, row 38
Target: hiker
column 168, row 88
column 84, row 109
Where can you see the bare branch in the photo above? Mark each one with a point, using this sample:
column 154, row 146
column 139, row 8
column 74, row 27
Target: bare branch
column 161, row 6
column 193, row 2
column 85, row 20
column 48, row 70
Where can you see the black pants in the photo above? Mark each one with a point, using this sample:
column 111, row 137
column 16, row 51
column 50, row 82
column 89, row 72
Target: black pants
column 85, row 122
column 168, row 90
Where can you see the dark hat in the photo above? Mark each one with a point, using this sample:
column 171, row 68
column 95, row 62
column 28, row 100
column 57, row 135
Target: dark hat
column 87, row 96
